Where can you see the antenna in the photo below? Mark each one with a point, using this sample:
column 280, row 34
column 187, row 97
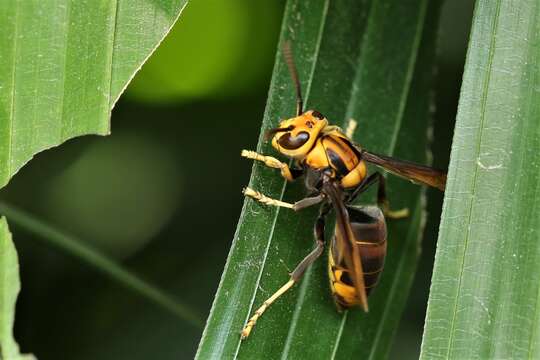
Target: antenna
column 287, row 54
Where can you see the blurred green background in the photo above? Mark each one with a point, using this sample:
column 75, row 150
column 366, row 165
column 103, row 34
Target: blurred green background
column 162, row 195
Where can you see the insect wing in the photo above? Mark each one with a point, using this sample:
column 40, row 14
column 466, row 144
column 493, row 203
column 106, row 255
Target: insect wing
column 346, row 245
column 369, row 228
column 409, row 170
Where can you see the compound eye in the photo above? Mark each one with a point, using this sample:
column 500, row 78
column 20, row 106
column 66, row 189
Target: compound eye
column 317, row 114
column 293, row 142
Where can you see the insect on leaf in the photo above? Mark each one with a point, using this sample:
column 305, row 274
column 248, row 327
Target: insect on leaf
column 367, row 60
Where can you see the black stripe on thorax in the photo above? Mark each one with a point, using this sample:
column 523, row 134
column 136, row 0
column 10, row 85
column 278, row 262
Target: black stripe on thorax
column 335, row 159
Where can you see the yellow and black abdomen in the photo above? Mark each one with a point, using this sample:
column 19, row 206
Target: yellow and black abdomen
column 335, row 151
column 369, row 229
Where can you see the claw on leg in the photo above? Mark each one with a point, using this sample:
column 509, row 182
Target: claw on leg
column 265, row 199
column 251, row 323
column 297, row 273
column 394, row 214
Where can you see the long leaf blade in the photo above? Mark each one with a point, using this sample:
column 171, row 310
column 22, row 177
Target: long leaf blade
column 485, row 290
column 10, row 286
column 64, row 64
column 356, row 59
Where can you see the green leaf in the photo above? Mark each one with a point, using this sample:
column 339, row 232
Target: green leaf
column 485, row 293
column 10, row 286
column 367, row 60
column 64, row 64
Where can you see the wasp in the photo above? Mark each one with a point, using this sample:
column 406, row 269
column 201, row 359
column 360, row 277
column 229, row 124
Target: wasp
column 335, row 171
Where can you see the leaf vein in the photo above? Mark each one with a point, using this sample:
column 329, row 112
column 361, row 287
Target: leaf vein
column 469, row 217
column 13, row 90
column 307, row 276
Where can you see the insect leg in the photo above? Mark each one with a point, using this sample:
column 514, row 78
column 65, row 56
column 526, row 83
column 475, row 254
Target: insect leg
column 351, row 127
column 286, row 172
column 297, row 273
column 381, row 196
column 299, row 205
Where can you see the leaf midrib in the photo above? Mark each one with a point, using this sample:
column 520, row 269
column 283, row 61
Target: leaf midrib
column 13, row 79
column 111, row 55
column 534, row 326
column 307, row 275
column 284, row 182
column 392, row 147
column 473, row 188
column 340, row 334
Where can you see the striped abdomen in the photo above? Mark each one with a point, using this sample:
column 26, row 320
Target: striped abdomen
column 369, row 229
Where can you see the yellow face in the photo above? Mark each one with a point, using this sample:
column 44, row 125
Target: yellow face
column 295, row 137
